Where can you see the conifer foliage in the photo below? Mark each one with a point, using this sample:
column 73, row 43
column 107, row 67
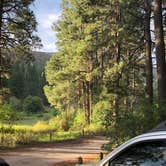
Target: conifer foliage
column 17, row 24
column 99, row 56
column 103, row 66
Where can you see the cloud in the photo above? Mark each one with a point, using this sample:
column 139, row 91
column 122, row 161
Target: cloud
column 45, row 31
column 48, row 40
column 53, row 17
column 50, row 47
column 48, row 20
column 47, row 13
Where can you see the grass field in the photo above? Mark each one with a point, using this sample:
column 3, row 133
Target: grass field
column 35, row 128
column 32, row 119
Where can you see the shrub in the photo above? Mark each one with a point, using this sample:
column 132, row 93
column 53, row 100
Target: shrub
column 62, row 121
column 54, row 111
column 15, row 103
column 55, row 122
column 46, row 117
column 102, row 114
column 8, row 114
column 42, row 127
column 79, row 120
column 33, row 104
column 65, row 124
column 94, row 129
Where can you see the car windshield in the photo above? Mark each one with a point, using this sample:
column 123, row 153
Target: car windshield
column 144, row 154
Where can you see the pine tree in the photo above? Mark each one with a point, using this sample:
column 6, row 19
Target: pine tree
column 17, row 23
column 148, row 51
column 99, row 53
column 160, row 50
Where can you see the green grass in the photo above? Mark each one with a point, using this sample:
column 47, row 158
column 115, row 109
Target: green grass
column 31, row 119
column 59, row 136
column 41, row 132
column 34, row 128
column 29, row 137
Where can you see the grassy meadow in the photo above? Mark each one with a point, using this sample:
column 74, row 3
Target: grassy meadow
column 40, row 128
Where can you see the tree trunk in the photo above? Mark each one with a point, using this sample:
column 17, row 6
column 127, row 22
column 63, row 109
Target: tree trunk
column 149, row 70
column 102, row 64
column 160, row 51
column 79, row 96
column 117, row 60
column 86, row 102
column 1, row 60
column 88, row 107
column 84, row 97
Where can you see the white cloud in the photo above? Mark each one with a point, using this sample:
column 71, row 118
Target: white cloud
column 48, row 20
column 53, row 17
column 46, row 33
column 49, row 47
column 47, row 12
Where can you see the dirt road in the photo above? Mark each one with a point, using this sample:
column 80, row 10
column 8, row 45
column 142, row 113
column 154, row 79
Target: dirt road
column 50, row 155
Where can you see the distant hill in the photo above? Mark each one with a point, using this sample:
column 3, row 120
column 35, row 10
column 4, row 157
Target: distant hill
column 42, row 57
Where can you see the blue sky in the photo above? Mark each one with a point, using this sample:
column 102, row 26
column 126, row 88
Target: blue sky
column 47, row 12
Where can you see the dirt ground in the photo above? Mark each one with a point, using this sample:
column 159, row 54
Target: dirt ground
column 58, row 154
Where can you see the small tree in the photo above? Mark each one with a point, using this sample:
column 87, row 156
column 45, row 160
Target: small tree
column 33, row 104
column 8, row 115
column 15, row 103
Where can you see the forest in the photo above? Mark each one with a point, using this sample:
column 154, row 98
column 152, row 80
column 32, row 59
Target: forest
column 108, row 75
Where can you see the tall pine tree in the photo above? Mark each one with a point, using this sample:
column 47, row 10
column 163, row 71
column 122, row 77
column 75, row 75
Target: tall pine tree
column 17, row 24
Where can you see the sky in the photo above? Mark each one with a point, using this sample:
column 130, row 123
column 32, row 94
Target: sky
column 47, row 12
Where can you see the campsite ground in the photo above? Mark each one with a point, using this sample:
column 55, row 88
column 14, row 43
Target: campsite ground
column 62, row 153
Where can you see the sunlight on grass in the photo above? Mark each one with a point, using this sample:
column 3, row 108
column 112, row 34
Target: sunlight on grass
column 32, row 119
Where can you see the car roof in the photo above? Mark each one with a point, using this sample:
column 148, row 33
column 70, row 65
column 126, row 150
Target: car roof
column 160, row 127
column 151, row 136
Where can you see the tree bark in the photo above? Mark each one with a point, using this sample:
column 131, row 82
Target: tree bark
column 84, row 97
column 79, row 96
column 88, row 110
column 86, row 102
column 116, row 101
column 148, row 47
column 117, row 60
column 1, row 60
column 160, row 51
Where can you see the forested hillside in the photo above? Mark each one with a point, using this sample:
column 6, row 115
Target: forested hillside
column 40, row 58
column 27, row 78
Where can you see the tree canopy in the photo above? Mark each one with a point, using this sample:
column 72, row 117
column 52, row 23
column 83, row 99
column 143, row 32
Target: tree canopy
column 104, row 65
column 17, row 24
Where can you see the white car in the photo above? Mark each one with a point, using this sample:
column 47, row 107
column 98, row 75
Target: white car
column 144, row 150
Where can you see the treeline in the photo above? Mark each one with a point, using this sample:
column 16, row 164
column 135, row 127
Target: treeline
column 28, row 78
column 25, row 80
column 104, row 66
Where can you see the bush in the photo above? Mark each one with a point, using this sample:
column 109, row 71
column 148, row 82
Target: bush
column 63, row 121
column 55, row 122
column 33, row 104
column 46, row 117
column 65, row 124
column 42, row 127
column 79, row 120
column 54, row 111
column 8, row 114
column 102, row 114
column 15, row 103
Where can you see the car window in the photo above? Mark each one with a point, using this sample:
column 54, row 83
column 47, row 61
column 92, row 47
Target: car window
column 144, row 154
